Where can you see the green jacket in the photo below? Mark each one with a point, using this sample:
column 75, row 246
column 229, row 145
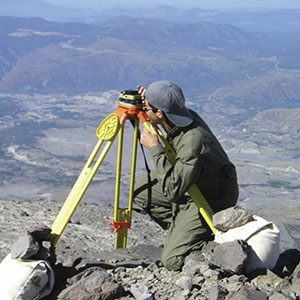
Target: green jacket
column 200, row 159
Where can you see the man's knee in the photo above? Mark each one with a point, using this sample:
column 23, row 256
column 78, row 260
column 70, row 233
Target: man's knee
column 173, row 263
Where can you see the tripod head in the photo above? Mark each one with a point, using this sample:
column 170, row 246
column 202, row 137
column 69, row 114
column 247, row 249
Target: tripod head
column 131, row 107
column 130, row 98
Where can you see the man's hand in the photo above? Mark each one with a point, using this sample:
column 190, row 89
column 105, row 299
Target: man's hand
column 149, row 139
column 141, row 91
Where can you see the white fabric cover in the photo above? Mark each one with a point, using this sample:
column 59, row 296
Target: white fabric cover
column 25, row 279
column 263, row 237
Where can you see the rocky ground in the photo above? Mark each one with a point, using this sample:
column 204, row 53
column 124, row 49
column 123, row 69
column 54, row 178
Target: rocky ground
column 86, row 235
column 88, row 267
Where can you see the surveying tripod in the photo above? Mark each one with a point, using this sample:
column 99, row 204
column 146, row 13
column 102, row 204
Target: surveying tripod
column 130, row 107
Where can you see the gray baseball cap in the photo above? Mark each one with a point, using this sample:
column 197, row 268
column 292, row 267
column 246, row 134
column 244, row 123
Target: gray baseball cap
column 168, row 97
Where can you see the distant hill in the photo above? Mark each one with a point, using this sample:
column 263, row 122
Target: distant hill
column 278, row 85
column 43, row 56
column 258, row 20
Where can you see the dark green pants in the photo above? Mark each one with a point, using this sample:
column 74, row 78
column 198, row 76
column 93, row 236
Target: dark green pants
column 187, row 230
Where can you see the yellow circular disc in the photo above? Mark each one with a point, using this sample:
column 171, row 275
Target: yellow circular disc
column 108, row 128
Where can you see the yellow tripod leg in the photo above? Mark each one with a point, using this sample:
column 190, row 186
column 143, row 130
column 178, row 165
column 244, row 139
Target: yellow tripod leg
column 203, row 206
column 106, row 131
column 194, row 192
column 122, row 216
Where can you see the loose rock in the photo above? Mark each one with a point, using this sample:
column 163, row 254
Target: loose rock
column 230, row 256
column 247, row 292
column 231, row 218
column 94, row 283
column 140, row 292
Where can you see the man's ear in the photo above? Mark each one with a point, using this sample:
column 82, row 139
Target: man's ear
column 160, row 114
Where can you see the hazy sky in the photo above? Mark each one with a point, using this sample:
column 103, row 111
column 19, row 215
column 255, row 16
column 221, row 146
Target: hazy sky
column 229, row 4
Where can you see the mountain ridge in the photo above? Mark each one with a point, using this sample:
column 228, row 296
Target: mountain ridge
column 117, row 55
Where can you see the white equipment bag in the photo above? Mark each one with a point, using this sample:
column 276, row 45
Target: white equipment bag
column 263, row 237
column 25, row 279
